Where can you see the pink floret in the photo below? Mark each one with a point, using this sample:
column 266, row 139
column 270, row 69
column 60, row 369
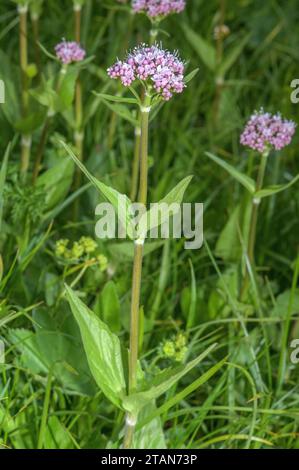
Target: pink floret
column 161, row 69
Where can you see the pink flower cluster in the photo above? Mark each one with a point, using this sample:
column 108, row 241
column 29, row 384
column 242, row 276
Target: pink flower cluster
column 265, row 130
column 160, row 69
column 69, row 51
column 158, row 8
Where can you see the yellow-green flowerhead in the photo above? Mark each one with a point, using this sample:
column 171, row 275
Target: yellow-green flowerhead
column 88, row 244
column 169, row 349
column 61, row 247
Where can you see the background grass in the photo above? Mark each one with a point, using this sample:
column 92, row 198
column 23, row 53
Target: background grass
column 47, row 396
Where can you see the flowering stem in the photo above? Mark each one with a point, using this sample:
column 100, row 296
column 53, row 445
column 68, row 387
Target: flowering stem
column 145, row 110
column 219, row 51
column 79, row 133
column 254, row 218
column 137, row 271
column 135, row 169
column 35, row 29
column 255, row 207
column 153, row 35
column 77, row 13
column 26, row 139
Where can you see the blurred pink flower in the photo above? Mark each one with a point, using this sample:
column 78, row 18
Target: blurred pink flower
column 69, row 51
column 265, row 130
column 158, row 8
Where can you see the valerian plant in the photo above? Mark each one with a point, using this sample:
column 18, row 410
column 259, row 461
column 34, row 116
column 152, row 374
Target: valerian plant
column 161, row 75
column 263, row 133
column 36, row 9
column 67, row 53
column 142, row 334
column 156, row 11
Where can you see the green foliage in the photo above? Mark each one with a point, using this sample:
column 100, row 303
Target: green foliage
column 56, row 182
column 234, row 235
column 56, row 435
column 278, row 188
column 151, row 435
column 160, row 384
column 102, row 349
column 110, row 307
column 152, row 219
column 57, row 100
column 50, row 350
column 204, row 48
column 109, row 193
column 63, row 383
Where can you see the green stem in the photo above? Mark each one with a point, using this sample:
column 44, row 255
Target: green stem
column 79, row 133
column 219, row 44
column 135, row 169
column 219, row 58
column 77, row 13
column 255, row 208
column 35, row 29
column 137, row 272
column 254, row 220
column 145, row 110
column 26, row 139
column 129, row 432
column 23, row 11
column 45, row 131
column 135, row 305
column 153, row 35
column 78, row 97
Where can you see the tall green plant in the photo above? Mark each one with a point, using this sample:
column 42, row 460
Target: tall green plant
column 103, row 349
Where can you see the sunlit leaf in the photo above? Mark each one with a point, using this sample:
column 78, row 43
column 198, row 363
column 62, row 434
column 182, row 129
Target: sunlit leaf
column 103, row 350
